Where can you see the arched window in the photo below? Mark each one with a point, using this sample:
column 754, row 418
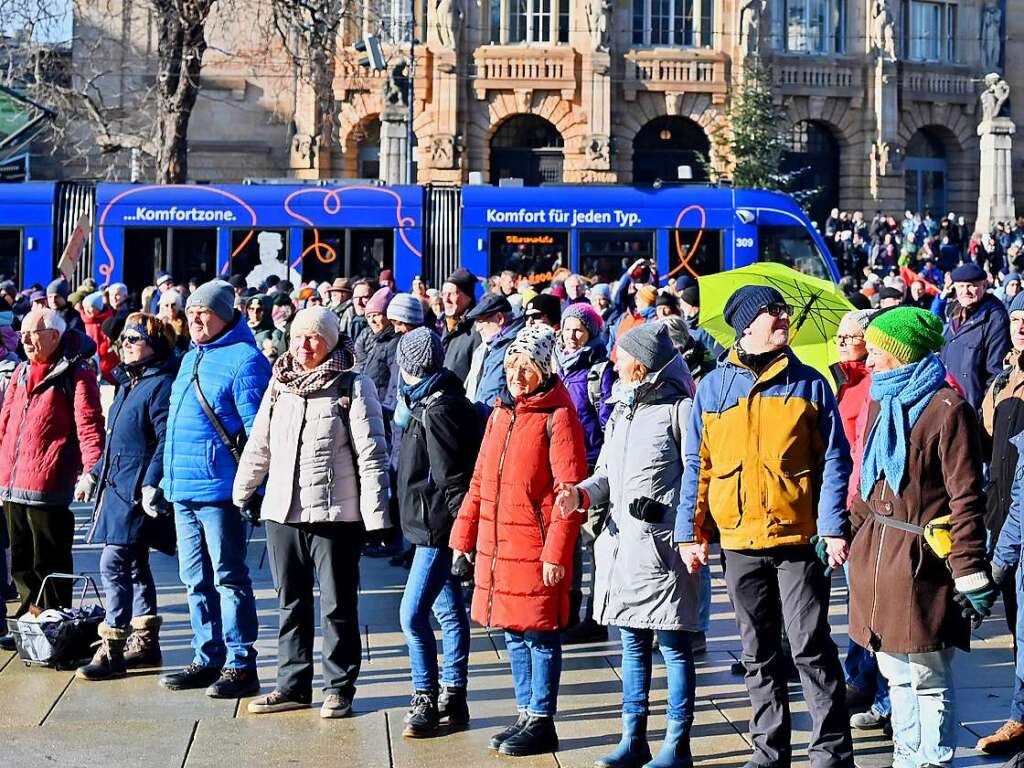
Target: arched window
column 666, row 143
column 527, row 147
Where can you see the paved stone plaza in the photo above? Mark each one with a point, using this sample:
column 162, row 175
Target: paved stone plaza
column 49, row 718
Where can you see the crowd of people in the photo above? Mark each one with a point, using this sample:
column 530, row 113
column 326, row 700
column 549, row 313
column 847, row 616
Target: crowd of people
column 499, row 440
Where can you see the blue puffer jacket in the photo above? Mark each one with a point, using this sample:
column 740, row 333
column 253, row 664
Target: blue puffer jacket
column 233, row 374
column 975, row 351
column 133, row 456
column 492, row 377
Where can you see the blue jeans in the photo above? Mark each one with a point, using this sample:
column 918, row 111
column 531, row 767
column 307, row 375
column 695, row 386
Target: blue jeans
column 127, row 583
column 211, row 563
column 431, row 586
column 536, row 659
column 923, row 707
column 704, row 595
column 862, row 671
column 637, row 663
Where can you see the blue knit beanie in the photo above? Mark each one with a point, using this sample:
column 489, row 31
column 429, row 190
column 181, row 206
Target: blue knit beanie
column 1017, row 305
column 746, row 304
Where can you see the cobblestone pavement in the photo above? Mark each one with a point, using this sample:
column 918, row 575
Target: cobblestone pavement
column 48, row 718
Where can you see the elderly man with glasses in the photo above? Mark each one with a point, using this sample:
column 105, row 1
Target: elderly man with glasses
column 51, row 425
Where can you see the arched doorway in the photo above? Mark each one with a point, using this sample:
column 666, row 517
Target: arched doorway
column 925, row 172
column 664, row 144
column 527, row 147
column 813, row 158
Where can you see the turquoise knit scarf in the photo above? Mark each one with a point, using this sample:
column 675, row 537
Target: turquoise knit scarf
column 902, row 395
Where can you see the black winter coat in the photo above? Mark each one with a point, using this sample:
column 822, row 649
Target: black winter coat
column 375, row 359
column 133, row 457
column 436, row 460
column 459, row 345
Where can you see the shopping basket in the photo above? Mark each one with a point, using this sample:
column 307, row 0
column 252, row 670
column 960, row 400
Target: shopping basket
column 60, row 638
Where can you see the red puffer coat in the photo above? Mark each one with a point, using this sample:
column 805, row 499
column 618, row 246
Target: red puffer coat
column 508, row 515
column 44, row 436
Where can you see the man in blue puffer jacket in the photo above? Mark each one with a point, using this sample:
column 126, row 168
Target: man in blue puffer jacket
column 199, row 471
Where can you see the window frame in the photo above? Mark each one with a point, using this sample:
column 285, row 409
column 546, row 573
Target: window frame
column 518, row 22
column 690, row 24
column 834, row 33
column 940, row 46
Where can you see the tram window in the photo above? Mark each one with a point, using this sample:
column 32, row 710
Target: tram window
column 193, row 254
column 533, row 253
column 145, row 254
column 10, row 252
column 792, row 246
column 267, row 248
column 608, row 254
column 331, row 253
column 701, row 249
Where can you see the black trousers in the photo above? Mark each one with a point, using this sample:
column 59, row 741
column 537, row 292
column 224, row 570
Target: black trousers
column 328, row 553
column 41, row 540
column 787, row 586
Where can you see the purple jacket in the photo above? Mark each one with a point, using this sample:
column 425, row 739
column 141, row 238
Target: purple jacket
column 575, row 380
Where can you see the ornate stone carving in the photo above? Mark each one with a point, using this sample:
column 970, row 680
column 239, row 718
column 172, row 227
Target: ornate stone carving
column 598, row 13
column 996, row 92
column 752, row 23
column 396, row 87
column 442, row 151
column 524, row 98
column 887, row 158
column 597, row 151
column 448, row 19
column 674, row 102
column 991, row 35
column 883, row 30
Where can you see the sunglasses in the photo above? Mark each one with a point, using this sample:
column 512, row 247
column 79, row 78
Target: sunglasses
column 777, row 309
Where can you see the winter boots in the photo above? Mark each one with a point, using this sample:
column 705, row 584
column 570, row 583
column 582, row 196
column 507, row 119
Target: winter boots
column 675, row 752
column 633, row 750
column 108, row 661
column 143, row 648
column 452, row 706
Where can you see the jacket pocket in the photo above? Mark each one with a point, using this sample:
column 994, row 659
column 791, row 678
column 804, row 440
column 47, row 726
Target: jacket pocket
column 788, row 491
column 725, row 494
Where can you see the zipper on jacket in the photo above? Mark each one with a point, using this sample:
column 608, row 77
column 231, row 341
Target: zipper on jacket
column 497, row 500
column 878, row 563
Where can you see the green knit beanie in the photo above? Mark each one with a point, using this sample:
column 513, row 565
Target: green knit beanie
column 907, row 333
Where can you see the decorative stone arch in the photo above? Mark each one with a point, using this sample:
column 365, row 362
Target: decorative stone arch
column 563, row 114
column 854, row 142
column 632, row 116
column 353, row 115
column 956, row 131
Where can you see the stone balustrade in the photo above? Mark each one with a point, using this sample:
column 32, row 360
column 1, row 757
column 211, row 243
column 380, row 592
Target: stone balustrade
column 818, row 76
column 935, row 82
column 674, row 70
column 511, row 67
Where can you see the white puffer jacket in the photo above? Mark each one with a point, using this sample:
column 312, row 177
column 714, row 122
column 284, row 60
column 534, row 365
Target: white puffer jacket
column 301, row 447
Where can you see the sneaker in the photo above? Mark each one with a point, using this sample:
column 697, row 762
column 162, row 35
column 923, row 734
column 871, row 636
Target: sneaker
column 869, row 721
column 193, row 676
column 453, row 707
column 235, row 684
column 7, row 643
column 502, row 736
column 588, row 631
column 536, row 737
column 1007, row 740
column 275, row 701
column 699, row 643
column 336, row 705
column 422, row 719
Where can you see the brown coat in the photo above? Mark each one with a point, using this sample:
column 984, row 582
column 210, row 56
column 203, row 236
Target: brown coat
column 901, row 593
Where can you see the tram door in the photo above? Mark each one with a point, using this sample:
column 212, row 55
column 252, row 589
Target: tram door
column 10, row 253
column 354, row 252
column 184, row 252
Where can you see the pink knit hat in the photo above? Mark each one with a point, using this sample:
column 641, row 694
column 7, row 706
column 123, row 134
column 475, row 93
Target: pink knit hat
column 378, row 303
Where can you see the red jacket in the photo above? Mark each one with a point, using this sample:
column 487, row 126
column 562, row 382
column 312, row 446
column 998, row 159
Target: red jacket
column 108, row 358
column 44, row 437
column 508, row 515
column 852, row 399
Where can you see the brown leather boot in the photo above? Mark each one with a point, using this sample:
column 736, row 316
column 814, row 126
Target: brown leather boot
column 1007, row 740
column 143, row 649
column 108, row 662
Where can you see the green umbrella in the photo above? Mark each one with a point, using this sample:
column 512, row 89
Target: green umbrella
column 818, row 307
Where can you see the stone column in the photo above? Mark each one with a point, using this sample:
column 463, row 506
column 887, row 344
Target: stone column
column 596, row 82
column 995, row 196
column 394, row 144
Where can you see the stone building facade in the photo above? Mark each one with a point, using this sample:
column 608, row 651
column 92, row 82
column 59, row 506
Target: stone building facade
column 882, row 95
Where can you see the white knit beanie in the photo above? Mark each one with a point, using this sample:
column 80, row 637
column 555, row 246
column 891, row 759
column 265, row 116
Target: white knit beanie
column 536, row 342
column 317, row 320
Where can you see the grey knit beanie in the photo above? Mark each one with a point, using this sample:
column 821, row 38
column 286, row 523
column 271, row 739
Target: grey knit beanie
column 218, row 296
column 862, row 317
column 420, row 352
column 650, row 345
column 406, row 308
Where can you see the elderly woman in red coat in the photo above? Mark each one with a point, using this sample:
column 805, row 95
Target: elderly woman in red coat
column 533, row 443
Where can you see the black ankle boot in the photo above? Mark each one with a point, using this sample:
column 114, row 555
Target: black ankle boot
column 502, row 736
column 537, row 737
column 422, row 720
column 453, row 707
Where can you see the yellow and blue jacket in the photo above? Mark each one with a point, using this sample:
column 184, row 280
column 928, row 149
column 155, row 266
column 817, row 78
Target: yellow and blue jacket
column 766, row 457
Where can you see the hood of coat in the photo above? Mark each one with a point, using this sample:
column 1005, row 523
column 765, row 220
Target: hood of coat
column 551, row 395
column 74, row 346
column 852, row 371
column 668, row 385
column 97, row 319
column 238, row 332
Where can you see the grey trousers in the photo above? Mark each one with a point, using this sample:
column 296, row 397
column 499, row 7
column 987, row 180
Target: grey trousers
column 788, row 585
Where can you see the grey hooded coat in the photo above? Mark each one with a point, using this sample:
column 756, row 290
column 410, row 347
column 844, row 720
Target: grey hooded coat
column 640, row 580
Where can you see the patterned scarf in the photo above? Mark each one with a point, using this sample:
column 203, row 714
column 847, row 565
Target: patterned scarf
column 294, row 378
column 902, row 395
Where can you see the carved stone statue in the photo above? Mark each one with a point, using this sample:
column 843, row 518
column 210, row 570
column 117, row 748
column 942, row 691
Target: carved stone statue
column 996, row 92
column 396, row 89
column 751, row 13
column 598, row 13
column 448, row 18
column 991, row 36
column 442, row 151
column 883, row 30
column 597, row 149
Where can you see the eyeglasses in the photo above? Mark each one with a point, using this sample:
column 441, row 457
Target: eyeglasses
column 777, row 309
column 845, row 338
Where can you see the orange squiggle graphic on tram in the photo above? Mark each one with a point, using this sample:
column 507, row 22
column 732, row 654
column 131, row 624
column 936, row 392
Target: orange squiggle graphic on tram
column 684, row 261
column 107, row 269
column 332, row 206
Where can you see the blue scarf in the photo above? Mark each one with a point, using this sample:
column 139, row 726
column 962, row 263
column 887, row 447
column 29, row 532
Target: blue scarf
column 409, row 395
column 903, row 395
